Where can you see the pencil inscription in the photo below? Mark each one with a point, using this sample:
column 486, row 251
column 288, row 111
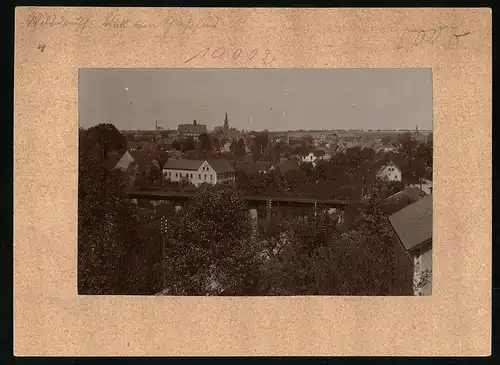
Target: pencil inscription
column 447, row 36
column 45, row 20
column 264, row 55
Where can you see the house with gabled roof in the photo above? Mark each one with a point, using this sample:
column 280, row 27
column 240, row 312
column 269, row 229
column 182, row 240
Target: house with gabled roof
column 413, row 228
column 390, row 172
column 199, row 171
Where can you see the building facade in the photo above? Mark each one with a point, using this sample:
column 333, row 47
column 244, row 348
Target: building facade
column 198, row 172
column 413, row 228
column 390, row 172
column 191, row 130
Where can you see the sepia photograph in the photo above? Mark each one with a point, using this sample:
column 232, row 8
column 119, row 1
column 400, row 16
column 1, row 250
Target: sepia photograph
column 255, row 182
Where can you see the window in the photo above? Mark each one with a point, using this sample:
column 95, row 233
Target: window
column 191, row 176
column 176, row 175
column 199, row 176
column 211, row 177
column 205, row 176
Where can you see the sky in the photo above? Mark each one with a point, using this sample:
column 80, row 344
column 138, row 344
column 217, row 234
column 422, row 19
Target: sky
column 257, row 99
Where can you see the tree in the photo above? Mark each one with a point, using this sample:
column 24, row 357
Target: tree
column 205, row 142
column 209, row 250
column 256, row 151
column 262, row 139
column 107, row 138
column 161, row 157
column 189, row 144
column 240, row 147
column 176, row 145
column 107, row 223
column 216, row 142
column 318, row 259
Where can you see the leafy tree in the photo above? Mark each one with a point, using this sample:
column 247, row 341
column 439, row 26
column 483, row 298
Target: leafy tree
column 209, row 250
column 318, row 259
column 107, row 138
column 189, row 144
column 216, row 142
column 107, row 223
column 240, row 147
column 256, row 151
column 176, row 145
column 205, row 141
column 161, row 157
column 262, row 139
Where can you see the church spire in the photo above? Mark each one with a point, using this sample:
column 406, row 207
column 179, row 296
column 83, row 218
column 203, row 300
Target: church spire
column 226, row 123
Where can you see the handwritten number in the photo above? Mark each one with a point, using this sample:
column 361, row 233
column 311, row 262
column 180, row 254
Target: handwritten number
column 253, row 54
column 454, row 41
column 41, row 47
column 237, row 53
column 419, row 38
column 449, row 38
column 219, row 52
column 265, row 59
column 205, row 51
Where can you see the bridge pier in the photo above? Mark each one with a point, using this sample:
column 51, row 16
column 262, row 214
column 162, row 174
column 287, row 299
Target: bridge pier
column 269, row 210
column 254, row 220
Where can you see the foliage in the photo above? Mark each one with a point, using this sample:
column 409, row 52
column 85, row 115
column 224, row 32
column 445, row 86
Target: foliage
column 205, row 142
column 106, row 138
column 256, row 151
column 106, row 222
column 176, row 145
column 188, row 144
column 317, row 259
column 424, row 280
column 208, row 243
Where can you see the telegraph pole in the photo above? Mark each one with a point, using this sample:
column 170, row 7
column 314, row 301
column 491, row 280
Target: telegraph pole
column 163, row 232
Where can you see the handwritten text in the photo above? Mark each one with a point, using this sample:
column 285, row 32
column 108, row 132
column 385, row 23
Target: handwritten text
column 263, row 55
column 447, row 36
column 50, row 20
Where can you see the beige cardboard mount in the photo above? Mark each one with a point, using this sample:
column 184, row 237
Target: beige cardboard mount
column 52, row 44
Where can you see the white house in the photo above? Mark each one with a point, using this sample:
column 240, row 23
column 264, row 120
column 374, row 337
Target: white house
column 389, row 172
column 226, row 147
column 413, row 228
column 199, row 171
column 310, row 158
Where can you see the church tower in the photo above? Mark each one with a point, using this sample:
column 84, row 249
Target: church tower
column 226, row 124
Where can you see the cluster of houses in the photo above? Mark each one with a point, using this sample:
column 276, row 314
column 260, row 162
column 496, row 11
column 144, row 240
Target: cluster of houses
column 412, row 225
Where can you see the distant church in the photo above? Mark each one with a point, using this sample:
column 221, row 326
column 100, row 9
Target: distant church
column 225, row 129
column 228, row 132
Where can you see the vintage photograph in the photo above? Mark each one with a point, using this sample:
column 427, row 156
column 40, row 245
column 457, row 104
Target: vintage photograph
column 255, row 182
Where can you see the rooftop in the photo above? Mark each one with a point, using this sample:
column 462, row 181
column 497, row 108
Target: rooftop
column 182, row 164
column 221, row 165
column 413, row 224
